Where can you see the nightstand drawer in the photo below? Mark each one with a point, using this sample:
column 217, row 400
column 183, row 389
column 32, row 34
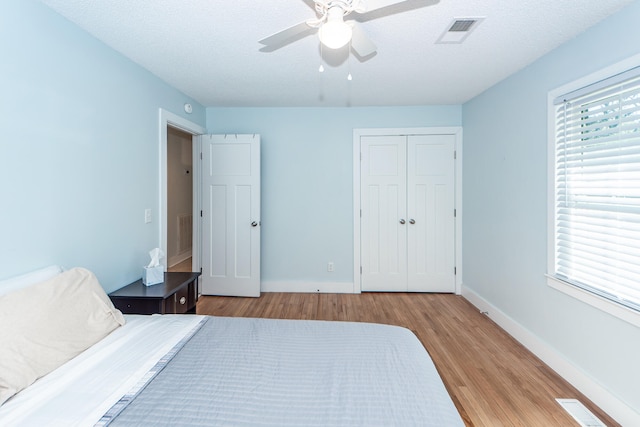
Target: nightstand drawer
column 138, row 305
column 178, row 303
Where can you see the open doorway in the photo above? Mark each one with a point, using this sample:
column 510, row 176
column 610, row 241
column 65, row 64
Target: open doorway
column 170, row 124
column 179, row 200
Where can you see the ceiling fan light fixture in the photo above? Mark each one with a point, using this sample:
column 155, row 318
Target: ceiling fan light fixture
column 335, row 33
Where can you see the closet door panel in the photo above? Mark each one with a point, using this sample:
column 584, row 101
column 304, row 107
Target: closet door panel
column 430, row 207
column 383, row 202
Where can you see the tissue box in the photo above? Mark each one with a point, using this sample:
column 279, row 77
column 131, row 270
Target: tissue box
column 153, row 275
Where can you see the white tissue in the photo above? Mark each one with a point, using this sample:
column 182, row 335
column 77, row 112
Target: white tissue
column 156, row 255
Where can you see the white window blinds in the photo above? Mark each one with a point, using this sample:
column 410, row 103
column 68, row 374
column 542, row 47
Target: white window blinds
column 597, row 188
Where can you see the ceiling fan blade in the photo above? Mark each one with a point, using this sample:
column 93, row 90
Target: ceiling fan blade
column 380, row 8
column 288, row 35
column 361, row 43
column 310, row 3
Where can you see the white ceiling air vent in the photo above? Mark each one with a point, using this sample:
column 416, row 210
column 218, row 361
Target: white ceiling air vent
column 459, row 30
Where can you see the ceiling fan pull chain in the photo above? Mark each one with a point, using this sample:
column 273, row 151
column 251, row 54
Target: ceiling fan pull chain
column 349, row 77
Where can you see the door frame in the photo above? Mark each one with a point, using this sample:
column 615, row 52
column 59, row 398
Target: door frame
column 167, row 118
column 357, row 134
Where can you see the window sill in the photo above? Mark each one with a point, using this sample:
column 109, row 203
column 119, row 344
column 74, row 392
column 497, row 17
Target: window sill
column 608, row 306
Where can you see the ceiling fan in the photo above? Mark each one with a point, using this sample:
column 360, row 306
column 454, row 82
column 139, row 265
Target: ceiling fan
column 332, row 29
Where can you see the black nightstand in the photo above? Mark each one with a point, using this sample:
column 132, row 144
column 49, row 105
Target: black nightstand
column 176, row 295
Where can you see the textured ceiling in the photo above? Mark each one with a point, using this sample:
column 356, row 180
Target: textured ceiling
column 209, row 49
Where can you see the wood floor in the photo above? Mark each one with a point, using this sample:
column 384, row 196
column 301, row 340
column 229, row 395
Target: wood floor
column 182, row 266
column 492, row 379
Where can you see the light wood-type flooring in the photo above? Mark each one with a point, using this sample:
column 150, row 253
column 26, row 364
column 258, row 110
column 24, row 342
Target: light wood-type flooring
column 492, row 379
column 181, row 266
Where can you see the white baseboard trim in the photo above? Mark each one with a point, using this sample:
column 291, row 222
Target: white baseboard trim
column 308, row 287
column 177, row 259
column 613, row 406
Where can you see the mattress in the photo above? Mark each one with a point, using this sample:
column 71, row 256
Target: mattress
column 79, row 392
column 242, row 372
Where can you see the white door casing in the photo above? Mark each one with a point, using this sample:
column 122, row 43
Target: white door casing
column 166, row 119
column 231, row 215
column 425, row 223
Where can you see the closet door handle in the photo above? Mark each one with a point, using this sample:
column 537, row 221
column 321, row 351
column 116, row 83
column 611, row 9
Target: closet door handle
column 402, row 221
column 254, row 224
column 412, row 221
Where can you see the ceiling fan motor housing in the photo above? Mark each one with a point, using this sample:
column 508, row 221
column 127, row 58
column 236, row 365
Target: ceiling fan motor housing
column 346, row 6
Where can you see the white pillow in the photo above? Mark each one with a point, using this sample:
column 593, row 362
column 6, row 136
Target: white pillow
column 47, row 324
column 18, row 282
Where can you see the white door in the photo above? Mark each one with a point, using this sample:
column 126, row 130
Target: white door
column 407, row 213
column 383, row 217
column 430, row 212
column 231, row 215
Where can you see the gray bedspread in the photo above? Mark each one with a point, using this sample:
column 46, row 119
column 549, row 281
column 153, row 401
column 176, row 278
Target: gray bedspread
column 262, row 372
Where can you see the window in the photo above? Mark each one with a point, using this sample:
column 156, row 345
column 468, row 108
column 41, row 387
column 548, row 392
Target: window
column 595, row 224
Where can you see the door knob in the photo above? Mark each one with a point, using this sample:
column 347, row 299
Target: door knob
column 402, row 221
column 254, row 224
column 412, row 221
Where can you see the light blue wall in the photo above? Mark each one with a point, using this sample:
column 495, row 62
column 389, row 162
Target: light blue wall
column 307, row 180
column 505, row 208
column 79, row 149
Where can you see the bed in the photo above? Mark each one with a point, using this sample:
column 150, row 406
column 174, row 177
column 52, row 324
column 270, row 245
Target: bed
column 192, row 370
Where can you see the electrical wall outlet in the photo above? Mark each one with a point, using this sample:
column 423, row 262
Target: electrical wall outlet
column 330, row 266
